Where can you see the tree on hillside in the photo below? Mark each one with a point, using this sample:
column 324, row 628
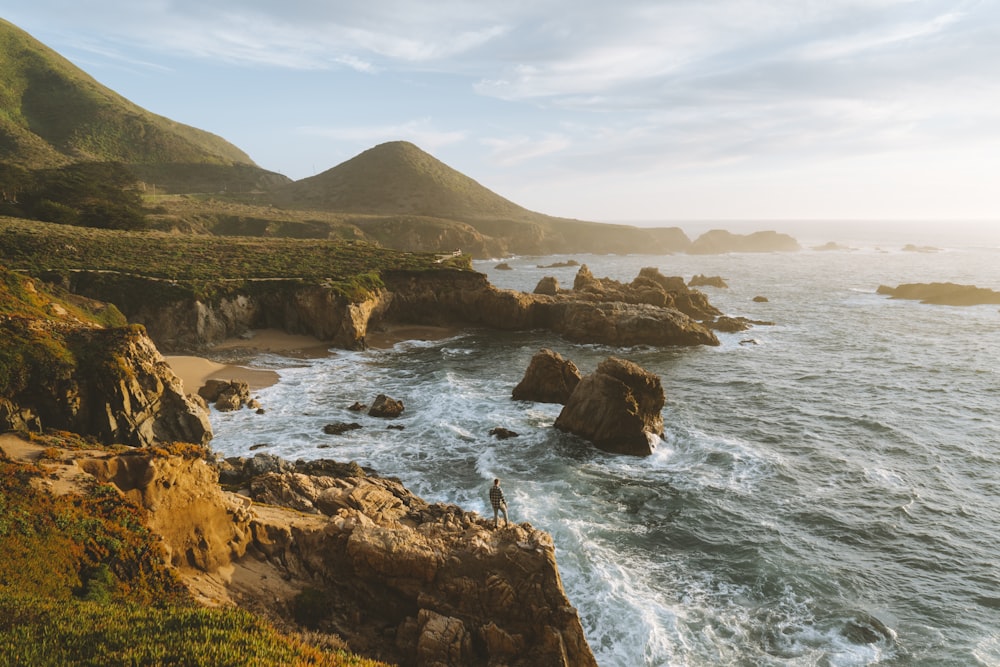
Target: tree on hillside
column 89, row 194
column 13, row 181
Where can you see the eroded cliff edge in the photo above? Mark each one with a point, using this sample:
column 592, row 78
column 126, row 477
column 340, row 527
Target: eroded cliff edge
column 653, row 310
column 337, row 550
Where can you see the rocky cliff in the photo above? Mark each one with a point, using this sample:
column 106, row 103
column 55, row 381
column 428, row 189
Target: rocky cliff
column 358, row 556
column 63, row 370
column 653, row 310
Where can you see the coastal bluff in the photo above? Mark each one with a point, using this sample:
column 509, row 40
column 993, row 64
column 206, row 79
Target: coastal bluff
column 179, row 321
column 62, row 370
column 339, row 552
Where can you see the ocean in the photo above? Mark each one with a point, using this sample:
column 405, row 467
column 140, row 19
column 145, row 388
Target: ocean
column 827, row 491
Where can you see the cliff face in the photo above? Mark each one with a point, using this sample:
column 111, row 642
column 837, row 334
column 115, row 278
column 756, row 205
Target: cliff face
column 179, row 321
column 338, row 551
column 621, row 316
column 109, row 383
column 122, row 392
column 435, row 585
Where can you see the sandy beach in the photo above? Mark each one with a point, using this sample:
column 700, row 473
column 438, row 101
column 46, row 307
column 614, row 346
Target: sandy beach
column 195, row 371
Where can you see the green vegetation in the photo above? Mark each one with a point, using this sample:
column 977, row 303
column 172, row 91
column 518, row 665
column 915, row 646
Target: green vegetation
column 83, row 582
column 52, row 113
column 198, row 262
column 89, row 194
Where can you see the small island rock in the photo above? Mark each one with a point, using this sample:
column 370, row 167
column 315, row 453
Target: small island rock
column 617, row 407
column 549, row 379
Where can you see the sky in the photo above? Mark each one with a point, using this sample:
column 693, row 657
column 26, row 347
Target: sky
column 633, row 110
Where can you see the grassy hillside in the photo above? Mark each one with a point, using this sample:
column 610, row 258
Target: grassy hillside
column 39, row 247
column 53, row 113
column 395, row 194
column 399, row 179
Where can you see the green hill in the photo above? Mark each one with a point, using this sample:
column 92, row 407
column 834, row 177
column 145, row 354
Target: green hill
column 399, row 179
column 52, row 114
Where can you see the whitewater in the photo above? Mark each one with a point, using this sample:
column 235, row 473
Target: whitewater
column 826, row 492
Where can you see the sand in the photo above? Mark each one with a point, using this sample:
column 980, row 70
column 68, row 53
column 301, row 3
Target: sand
column 195, row 371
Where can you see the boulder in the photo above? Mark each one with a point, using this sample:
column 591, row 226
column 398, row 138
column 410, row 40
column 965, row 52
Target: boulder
column 549, row 379
column 383, row 406
column 501, row 433
column 706, row 281
column 617, row 407
column 227, row 395
column 547, row 285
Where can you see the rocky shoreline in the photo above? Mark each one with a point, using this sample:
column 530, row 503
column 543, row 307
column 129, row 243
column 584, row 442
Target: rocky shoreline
column 323, row 545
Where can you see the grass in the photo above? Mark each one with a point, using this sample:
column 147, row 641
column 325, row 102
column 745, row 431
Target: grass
column 353, row 268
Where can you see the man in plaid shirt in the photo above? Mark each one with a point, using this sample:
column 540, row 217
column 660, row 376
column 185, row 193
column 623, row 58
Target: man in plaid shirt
column 499, row 504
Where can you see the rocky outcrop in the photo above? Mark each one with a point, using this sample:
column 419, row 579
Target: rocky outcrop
column 548, row 379
column 719, row 241
column 228, row 395
column 201, row 527
column 602, row 311
column 617, row 407
column 434, row 584
column 700, row 280
column 119, row 390
column 944, row 294
column 403, row 580
column 385, row 406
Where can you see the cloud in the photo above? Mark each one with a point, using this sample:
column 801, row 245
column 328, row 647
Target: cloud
column 512, row 151
column 419, row 131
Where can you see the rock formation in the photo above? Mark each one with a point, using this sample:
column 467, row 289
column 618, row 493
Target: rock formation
column 228, row 395
column 718, row 241
column 653, row 310
column 595, row 315
column 62, row 368
column 617, row 407
column 549, row 379
column 202, row 527
column 434, row 584
column 945, row 294
column 707, row 281
column 384, row 406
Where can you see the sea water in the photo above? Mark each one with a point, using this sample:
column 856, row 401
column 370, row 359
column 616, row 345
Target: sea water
column 827, row 490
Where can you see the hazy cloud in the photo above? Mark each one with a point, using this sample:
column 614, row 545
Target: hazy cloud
column 419, row 131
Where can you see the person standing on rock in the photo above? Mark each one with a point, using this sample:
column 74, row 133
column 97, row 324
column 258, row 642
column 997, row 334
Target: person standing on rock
column 499, row 504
